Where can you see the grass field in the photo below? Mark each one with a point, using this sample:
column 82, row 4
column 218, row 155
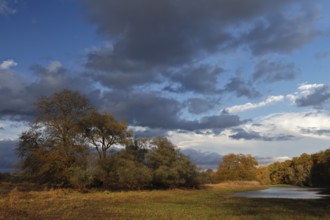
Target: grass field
column 211, row 202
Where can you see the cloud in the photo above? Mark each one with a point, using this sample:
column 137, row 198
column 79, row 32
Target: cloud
column 272, row 71
column 211, row 160
column 315, row 95
column 315, row 131
column 159, row 41
column 147, row 132
column 253, row 135
column 282, row 32
column 298, row 124
column 248, row 106
column 10, row 129
column 7, row 64
column 154, row 111
column 284, row 127
column 13, row 97
column 54, row 66
column 199, row 105
column 206, row 160
column 322, row 55
column 202, row 79
column 264, row 161
column 19, row 92
column 5, row 9
column 7, row 154
column 241, row 88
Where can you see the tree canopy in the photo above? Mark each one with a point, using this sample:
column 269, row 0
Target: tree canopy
column 54, row 142
column 237, row 167
column 68, row 144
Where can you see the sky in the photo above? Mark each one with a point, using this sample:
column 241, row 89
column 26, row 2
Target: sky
column 216, row 76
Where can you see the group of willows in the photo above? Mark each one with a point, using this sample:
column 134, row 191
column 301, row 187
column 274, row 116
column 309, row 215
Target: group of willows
column 71, row 144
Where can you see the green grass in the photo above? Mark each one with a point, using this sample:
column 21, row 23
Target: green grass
column 212, row 202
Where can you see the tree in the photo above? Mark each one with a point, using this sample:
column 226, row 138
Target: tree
column 125, row 169
column 103, row 131
column 54, row 142
column 237, row 167
column 302, row 167
column 320, row 172
column 281, row 173
column 170, row 168
column 263, row 175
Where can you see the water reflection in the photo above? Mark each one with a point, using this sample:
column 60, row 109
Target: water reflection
column 284, row 193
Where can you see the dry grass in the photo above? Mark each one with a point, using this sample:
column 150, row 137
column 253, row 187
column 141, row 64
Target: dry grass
column 212, row 202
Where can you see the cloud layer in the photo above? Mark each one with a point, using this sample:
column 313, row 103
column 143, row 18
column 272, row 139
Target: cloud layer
column 158, row 66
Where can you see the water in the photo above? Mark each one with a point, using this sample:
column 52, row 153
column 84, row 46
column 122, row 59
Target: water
column 284, row 193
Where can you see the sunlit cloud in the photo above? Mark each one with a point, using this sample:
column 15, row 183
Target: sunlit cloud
column 7, row 64
column 249, row 106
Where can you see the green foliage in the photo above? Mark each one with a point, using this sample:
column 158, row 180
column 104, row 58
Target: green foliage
column 54, row 143
column 56, row 150
column 103, row 131
column 320, row 172
column 237, row 167
column 305, row 170
column 80, row 178
column 206, row 177
column 263, row 175
column 119, row 172
column 170, row 168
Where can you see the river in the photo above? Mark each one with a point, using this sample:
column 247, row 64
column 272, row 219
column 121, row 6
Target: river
column 284, row 193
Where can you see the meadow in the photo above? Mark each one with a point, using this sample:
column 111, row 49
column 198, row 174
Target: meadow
column 210, row 202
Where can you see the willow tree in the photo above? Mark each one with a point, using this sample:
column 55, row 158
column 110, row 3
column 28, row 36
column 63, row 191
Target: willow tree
column 54, row 142
column 103, row 132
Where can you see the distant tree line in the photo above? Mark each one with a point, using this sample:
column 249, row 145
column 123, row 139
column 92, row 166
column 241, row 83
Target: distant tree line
column 70, row 143
column 305, row 170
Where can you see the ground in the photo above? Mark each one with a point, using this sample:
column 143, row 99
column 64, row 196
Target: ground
column 25, row 201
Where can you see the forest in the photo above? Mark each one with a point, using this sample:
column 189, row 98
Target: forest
column 71, row 144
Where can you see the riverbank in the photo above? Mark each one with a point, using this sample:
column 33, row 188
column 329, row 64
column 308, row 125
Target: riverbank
column 211, row 202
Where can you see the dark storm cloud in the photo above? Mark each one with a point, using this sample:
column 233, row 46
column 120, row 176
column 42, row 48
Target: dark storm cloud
column 148, row 39
column 18, row 93
column 316, row 99
column 252, row 135
column 150, row 133
column 147, row 109
column 119, row 72
column 15, row 102
column 142, row 109
column 153, row 111
column 198, row 105
column 201, row 79
column 7, row 154
column 272, row 71
column 283, row 33
column 241, row 88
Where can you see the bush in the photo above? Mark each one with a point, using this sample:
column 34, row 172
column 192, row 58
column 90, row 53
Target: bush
column 81, row 178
